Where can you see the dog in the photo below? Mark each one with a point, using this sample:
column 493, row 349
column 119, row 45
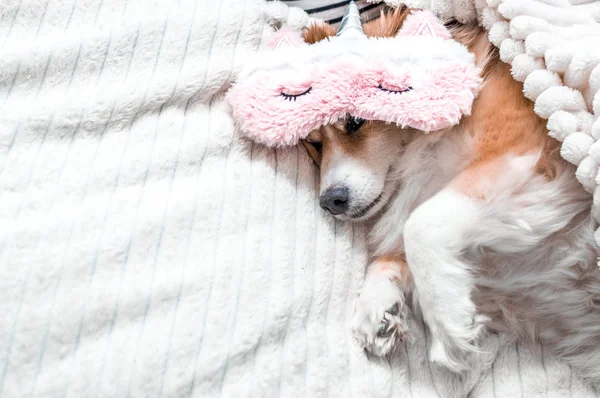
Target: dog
column 480, row 227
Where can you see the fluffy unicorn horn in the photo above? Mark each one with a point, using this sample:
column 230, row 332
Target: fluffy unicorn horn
column 351, row 25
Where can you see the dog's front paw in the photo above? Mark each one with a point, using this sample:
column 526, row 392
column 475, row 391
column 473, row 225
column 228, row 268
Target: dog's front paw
column 381, row 317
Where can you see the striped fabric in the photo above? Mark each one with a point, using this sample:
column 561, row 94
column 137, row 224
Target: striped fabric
column 148, row 251
column 331, row 11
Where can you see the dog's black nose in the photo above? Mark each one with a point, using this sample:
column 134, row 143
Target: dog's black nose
column 335, row 200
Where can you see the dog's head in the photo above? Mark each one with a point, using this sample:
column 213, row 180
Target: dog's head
column 357, row 157
column 401, row 73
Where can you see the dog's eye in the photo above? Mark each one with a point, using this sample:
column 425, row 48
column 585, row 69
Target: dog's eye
column 394, row 91
column 353, row 124
column 293, row 97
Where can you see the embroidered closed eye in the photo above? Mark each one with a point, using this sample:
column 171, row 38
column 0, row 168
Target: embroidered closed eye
column 394, row 91
column 293, row 97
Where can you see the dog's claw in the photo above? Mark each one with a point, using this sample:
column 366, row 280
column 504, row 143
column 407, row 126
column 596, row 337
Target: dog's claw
column 384, row 329
column 381, row 317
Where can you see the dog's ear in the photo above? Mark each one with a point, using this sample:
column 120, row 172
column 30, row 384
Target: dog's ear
column 313, row 151
column 317, row 32
column 388, row 24
column 424, row 23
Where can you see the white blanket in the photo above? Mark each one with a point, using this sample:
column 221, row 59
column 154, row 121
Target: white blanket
column 146, row 250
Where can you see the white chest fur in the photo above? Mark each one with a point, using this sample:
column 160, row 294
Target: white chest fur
column 427, row 165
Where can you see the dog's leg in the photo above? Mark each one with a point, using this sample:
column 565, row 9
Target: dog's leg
column 381, row 315
column 436, row 236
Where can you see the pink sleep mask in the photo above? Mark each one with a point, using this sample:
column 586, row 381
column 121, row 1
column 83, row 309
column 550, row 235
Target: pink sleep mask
column 420, row 79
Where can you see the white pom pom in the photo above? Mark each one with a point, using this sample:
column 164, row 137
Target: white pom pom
column 595, row 80
column 538, row 81
column 586, row 173
column 585, row 120
column 522, row 26
column 561, row 124
column 464, row 11
column 480, row 5
column 498, row 32
column 510, row 48
column 596, row 104
column 595, row 211
column 594, row 151
column 297, row 18
column 558, row 58
column 291, row 16
column 596, row 196
column 559, row 98
column 595, row 132
column 488, row 17
column 509, row 10
column 523, row 65
column 537, row 43
column 597, row 237
column 580, row 69
column 575, row 147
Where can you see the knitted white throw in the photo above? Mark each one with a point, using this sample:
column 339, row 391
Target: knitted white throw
column 554, row 49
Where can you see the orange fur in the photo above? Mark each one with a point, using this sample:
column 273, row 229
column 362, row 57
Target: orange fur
column 479, row 178
column 503, row 121
column 397, row 267
column 388, row 24
column 317, row 32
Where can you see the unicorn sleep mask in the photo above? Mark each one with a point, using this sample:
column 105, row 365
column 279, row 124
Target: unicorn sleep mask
column 421, row 79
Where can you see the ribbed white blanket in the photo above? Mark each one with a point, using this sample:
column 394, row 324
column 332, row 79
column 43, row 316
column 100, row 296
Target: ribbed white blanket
column 146, row 250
